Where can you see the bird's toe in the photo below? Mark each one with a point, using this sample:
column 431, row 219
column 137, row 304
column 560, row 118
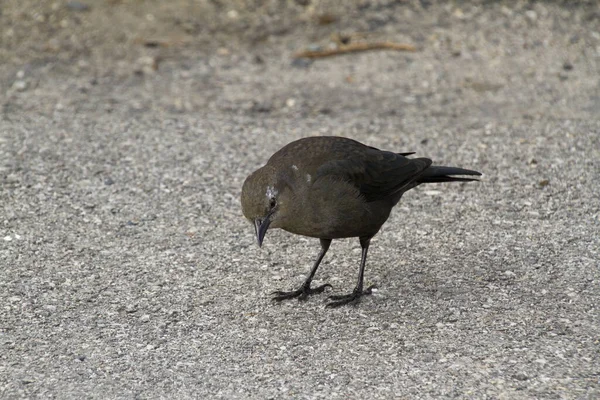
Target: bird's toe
column 279, row 295
column 302, row 293
column 354, row 297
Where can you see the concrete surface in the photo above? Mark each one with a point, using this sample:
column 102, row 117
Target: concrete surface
column 128, row 271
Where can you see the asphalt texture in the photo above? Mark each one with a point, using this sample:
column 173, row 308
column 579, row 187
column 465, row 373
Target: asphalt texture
column 128, row 271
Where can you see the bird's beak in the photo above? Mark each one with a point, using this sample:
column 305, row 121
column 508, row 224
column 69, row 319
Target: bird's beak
column 261, row 226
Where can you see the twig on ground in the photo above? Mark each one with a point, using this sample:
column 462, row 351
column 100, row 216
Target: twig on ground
column 354, row 48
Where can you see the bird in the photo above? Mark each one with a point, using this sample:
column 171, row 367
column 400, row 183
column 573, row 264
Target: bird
column 332, row 187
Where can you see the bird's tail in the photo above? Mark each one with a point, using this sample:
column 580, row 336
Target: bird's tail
column 444, row 174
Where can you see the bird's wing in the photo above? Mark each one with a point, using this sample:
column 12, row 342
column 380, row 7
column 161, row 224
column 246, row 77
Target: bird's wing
column 376, row 174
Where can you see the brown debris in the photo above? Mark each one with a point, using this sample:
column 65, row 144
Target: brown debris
column 354, row 48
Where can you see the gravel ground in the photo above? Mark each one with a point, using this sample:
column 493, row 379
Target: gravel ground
column 128, row 271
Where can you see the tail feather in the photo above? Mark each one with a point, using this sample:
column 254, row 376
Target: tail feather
column 443, row 174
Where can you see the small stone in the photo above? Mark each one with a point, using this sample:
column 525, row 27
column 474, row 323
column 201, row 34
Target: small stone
column 567, row 66
column 261, row 107
column 301, row 62
column 77, row 6
column 531, row 15
column 146, row 65
column 145, row 318
column 20, row 85
column 314, row 47
column 544, row 183
column 12, row 178
column 453, row 318
column 7, row 238
column 521, row 376
column 20, row 74
column 109, row 181
column 290, row 103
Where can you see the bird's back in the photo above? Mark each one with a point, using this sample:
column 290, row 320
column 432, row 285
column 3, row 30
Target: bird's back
column 319, row 150
column 375, row 173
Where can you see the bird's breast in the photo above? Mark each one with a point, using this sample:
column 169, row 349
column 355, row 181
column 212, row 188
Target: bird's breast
column 331, row 209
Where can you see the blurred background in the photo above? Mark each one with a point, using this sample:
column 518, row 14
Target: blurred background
column 517, row 58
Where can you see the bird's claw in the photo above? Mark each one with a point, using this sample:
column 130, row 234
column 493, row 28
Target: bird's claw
column 340, row 300
column 302, row 293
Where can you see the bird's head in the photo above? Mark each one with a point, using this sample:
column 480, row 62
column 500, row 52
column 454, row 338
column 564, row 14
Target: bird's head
column 265, row 200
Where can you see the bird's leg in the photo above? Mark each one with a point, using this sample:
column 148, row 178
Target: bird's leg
column 305, row 290
column 358, row 290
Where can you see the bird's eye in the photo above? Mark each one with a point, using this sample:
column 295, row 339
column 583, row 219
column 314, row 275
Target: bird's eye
column 273, row 202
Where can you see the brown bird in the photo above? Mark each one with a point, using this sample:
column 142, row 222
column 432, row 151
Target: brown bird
column 333, row 187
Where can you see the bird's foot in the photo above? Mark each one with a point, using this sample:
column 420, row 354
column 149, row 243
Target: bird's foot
column 301, row 294
column 349, row 298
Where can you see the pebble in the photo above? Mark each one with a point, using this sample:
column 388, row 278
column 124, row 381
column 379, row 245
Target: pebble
column 77, row 6
column 301, row 62
column 531, row 15
column 130, row 308
column 20, row 85
column 521, row 376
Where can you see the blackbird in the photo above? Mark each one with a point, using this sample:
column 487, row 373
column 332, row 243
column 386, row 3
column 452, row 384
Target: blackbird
column 331, row 187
